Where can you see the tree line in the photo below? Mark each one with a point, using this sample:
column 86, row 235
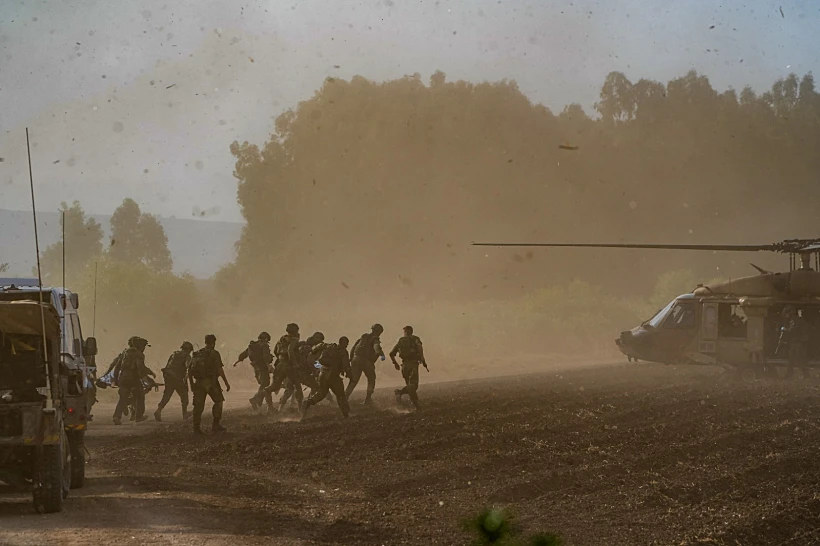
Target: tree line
column 376, row 189
column 125, row 283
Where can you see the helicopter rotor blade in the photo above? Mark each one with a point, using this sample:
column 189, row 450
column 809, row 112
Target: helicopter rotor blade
column 730, row 248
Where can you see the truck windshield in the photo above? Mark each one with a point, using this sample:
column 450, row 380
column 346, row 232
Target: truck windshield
column 656, row 321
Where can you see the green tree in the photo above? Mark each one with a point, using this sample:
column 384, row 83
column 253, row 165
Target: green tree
column 83, row 242
column 138, row 237
column 136, row 299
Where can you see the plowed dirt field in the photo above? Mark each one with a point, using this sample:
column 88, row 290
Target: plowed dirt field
column 603, row 455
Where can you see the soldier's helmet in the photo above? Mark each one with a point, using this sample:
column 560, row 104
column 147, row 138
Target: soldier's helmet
column 318, row 337
column 140, row 342
column 210, row 339
column 264, row 336
column 131, row 340
column 187, row 346
column 409, row 330
column 377, row 328
column 292, row 328
column 343, row 342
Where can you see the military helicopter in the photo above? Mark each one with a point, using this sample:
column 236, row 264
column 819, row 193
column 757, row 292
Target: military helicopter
column 734, row 324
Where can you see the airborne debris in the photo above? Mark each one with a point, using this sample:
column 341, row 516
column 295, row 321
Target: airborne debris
column 568, row 147
column 170, row 86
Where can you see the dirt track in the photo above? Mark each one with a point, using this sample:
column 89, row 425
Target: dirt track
column 635, row 454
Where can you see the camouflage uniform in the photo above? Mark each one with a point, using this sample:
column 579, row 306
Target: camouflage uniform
column 261, row 360
column 410, row 350
column 306, row 354
column 205, row 383
column 335, row 361
column 132, row 370
column 366, row 351
column 287, row 366
column 175, row 374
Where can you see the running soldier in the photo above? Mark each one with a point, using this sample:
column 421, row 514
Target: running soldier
column 410, row 349
column 365, row 351
column 287, row 363
column 335, row 362
column 132, row 370
column 175, row 375
column 262, row 363
column 307, row 375
column 204, row 373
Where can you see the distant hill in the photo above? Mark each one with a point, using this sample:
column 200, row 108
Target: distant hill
column 199, row 247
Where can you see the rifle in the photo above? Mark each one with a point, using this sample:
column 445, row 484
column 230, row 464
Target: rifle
column 425, row 367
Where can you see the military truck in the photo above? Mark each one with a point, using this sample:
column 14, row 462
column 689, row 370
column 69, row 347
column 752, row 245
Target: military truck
column 76, row 359
column 34, row 446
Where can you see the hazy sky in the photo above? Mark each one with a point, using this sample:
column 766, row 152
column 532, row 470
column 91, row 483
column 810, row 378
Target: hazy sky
column 92, row 80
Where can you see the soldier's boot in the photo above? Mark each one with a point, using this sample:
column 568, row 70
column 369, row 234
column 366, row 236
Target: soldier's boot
column 198, row 430
column 305, row 405
column 158, row 415
column 282, row 405
column 117, row 421
column 216, row 427
column 133, row 416
column 254, row 403
column 398, row 394
column 368, row 401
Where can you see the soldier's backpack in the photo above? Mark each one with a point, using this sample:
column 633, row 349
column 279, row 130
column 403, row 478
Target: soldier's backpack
column 363, row 349
column 176, row 364
column 281, row 347
column 329, row 354
column 255, row 352
column 199, row 364
column 409, row 349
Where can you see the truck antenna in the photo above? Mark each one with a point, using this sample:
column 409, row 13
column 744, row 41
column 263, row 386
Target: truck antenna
column 63, row 245
column 94, row 320
column 49, row 401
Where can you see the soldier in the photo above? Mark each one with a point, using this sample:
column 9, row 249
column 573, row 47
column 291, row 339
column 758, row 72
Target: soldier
column 796, row 333
column 132, row 370
column 262, row 362
column 287, row 363
column 175, row 374
column 364, row 354
column 306, row 369
column 204, row 373
column 335, row 362
column 410, row 349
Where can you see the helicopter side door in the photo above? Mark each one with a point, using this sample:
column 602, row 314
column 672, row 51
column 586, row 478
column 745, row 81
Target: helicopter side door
column 677, row 332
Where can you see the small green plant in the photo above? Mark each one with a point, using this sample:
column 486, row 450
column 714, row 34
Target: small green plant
column 497, row 526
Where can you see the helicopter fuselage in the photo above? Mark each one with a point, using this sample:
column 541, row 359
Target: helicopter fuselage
column 724, row 329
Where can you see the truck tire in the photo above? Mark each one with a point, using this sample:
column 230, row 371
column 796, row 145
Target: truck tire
column 52, row 476
column 76, row 442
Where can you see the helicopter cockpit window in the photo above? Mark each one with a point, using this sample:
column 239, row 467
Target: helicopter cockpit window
column 682, row 317
column 657, row 320
column 731, row 321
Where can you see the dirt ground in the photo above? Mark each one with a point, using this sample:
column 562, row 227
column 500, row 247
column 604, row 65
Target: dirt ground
column 617, row 454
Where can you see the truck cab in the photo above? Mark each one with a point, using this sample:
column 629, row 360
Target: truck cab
column 77, row 361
